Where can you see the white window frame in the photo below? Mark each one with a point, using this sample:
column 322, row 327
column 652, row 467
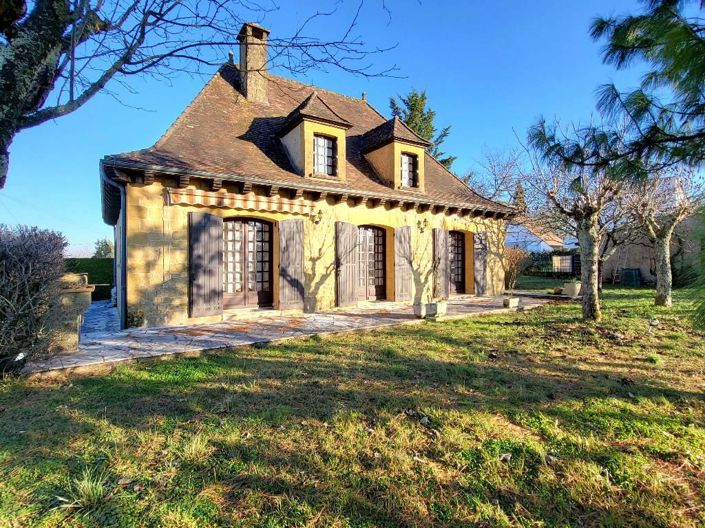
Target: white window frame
column 325, row 155
column 409, row 170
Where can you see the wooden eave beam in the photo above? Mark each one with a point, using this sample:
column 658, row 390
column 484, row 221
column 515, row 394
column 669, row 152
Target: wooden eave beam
column 439, row 209
column 184, row 180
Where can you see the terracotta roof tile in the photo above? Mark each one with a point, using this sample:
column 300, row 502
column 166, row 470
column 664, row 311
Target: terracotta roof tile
column 394, row 129
column 314, row 108
column 222, row 133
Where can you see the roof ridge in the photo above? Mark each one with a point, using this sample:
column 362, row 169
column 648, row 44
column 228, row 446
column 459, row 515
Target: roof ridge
column 316, row 88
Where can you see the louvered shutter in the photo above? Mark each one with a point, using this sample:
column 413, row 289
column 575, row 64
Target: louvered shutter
column 291, row 264
column 480, row 258
column 205, row 241
column 402, row 263
column 346, row 263
column 441, row 262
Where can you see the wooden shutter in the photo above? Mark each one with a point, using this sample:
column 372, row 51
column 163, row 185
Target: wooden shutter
column 441, row 262
column 291, row 264
column 415, row 171
column 402, row 263
column 346, row 263
column 205, row 242
column 480, row 258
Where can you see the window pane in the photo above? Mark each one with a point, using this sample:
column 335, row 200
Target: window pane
column 408, row 171
column 324, row 155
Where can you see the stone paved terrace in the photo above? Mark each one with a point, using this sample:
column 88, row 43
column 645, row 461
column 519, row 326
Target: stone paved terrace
column 102, row 344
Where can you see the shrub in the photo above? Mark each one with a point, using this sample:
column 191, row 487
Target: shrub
column 100, row 273
column 31, row 264
column 516, row 260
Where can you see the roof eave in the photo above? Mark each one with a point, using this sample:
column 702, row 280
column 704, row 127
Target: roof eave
column 115, row 162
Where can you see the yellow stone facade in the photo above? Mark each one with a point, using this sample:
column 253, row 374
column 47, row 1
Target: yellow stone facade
column 386, row 161
column 157, row 249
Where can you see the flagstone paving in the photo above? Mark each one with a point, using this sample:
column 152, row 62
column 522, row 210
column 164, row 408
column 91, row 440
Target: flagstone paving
column 102, row 343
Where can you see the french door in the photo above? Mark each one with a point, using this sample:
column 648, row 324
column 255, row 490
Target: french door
column 247, row 263
column 372, row 280
column 456, row 246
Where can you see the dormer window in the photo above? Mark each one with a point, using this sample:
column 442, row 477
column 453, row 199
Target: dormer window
column 324, row 155
column 409, row 171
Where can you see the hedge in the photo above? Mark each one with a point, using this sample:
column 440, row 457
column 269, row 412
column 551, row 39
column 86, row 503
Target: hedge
column 100, row 273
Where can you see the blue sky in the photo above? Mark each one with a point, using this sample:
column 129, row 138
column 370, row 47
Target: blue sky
column 490, row 68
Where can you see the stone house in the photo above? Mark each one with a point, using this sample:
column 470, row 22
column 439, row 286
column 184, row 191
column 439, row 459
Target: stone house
column 686, row 254
column 267, row 193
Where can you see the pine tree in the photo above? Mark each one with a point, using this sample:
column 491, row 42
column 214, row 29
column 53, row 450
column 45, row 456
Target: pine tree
column 413, row 111
column 658, row 124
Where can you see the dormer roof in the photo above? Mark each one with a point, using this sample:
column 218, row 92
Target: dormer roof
column 315, row 108
column 393, row 130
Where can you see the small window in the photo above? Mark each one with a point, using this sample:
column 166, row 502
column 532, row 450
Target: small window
column 409, row 170
column 324, row 155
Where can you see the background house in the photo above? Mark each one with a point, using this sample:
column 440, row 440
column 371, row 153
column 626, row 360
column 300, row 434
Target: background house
column 529, row 236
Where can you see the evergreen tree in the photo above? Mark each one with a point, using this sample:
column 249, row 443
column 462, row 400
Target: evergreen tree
column 413, row 111
column 520, row 199
column 104, row 248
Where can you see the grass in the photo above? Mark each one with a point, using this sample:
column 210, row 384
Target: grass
column 87, row 492
column 531, row 282
column 529, row 419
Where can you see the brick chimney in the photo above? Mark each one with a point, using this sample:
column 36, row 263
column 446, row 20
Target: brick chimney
column 253, row 61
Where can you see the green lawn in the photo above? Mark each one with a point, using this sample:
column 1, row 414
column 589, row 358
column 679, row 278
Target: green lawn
column 531, row 282
column 530, row 419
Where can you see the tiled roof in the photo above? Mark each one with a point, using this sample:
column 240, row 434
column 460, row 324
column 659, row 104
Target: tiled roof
column 541, row 232
column 391, row 130
column 314, row 108
column 222, row 134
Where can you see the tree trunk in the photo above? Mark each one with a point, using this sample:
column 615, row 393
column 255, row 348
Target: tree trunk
column 589, row 258
column 28, row 67
column 4, row 157
column 600, row 274
column 664, row 277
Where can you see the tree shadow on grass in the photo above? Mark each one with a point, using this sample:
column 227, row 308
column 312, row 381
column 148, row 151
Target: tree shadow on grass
column 369, row 376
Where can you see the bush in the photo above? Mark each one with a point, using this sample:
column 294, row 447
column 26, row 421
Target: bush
column 100, row 273
column 31, row 264
column 516, row 260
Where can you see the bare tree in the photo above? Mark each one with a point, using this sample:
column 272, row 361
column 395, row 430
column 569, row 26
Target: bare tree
column 617, row 228
column 56, row 55
column 660, row 204
column 497, row 175
column 574, row 198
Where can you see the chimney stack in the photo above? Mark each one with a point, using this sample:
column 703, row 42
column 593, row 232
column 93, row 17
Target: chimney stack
column 253, row 61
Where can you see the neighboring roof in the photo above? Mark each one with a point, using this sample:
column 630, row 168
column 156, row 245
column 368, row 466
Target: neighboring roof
column 394, row 129
column 314, row 108
column 222, row 134
column 546, row 235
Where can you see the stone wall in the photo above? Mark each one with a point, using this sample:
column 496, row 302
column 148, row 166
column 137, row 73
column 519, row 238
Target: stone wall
column 65, row 322
column 157, row 253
